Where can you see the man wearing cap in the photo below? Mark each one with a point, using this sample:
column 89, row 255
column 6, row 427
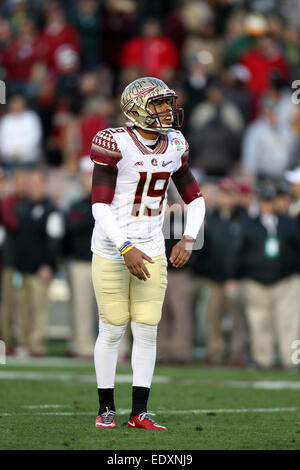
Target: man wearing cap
column 269, row 259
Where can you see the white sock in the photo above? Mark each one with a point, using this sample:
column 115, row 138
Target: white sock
column 106, row 353
column 143, row 353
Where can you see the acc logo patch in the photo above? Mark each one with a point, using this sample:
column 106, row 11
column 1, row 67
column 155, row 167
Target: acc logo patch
column 177, row 144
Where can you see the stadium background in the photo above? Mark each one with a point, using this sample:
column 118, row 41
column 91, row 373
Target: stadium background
column 232, row 63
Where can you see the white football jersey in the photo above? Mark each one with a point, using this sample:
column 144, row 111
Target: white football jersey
column 141, row 188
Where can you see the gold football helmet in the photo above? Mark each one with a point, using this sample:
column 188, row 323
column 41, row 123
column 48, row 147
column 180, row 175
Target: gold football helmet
column 135, row 101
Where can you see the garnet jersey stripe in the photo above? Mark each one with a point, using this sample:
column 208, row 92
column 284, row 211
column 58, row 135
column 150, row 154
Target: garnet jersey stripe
column 104, row 183
column 186, row 184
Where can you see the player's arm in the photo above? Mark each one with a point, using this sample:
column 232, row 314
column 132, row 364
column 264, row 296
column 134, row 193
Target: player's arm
column 103, row 189
column 190, row 192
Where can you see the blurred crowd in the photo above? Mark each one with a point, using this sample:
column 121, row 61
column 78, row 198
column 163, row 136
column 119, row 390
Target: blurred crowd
column 235, row 65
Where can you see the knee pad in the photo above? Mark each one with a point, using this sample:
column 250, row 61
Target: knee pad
column 111, row 335
column 144, row 333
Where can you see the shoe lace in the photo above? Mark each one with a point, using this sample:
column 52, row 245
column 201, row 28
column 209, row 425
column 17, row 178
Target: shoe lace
column 108, row 416
column 146, row 415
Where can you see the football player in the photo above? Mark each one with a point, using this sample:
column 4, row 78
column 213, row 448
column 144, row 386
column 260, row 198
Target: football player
column 132, row 172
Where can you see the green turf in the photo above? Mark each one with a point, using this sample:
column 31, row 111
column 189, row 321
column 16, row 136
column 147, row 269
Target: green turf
column 190, row 388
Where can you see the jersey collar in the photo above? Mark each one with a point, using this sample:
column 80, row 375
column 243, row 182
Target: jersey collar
column 161, row 146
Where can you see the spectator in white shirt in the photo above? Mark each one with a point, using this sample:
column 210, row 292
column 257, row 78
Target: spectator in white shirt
column 267, row 144
column 20, row 135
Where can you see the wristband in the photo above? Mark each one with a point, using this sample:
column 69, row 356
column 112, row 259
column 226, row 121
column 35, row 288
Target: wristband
column 127, row 249
column 124, row 248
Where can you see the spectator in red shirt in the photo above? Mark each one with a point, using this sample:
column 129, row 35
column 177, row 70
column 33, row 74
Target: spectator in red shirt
column 20, row 58
column 79, row 132
column 261, row 61
column 93, row 119
column 5, row 40
column 57, row 35
column 150, row 54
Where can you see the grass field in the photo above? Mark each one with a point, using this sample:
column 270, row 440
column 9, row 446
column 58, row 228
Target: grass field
column 51, row 403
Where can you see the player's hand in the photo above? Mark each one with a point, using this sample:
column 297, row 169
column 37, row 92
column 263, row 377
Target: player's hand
column 134, row 262
column 181, row 252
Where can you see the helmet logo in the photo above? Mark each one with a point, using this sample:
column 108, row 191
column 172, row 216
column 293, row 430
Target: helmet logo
column 154, row 162
column 144, row 92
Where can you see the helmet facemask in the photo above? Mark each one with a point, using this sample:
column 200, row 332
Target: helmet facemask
column 175, row 114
